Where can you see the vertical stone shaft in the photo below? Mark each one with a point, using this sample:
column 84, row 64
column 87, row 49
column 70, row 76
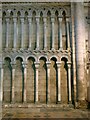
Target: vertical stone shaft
column 7, row 32
column 1, row 82
column 36, row 82
column 37, row 33
column 68, row 34
column 60, row 33
column 25, row 80
column 15, row 32
column 45, row 32
column 80, row 40
column 73, row 48
column 69, row 80
column 53, row 36
column 48, row 81
column 22, row 32
column 30, row 31
column 59, row 81
column 13, row 79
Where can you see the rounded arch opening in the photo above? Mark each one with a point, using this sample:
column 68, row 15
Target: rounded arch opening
column 7, row 81
column 30, row 80
column 53, row 80
column 19, row 82
column 64, row 80
column 42, row 81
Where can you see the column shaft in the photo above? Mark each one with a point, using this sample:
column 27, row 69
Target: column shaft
column 30, row 31
column 45, row 32
column 1, row 77
column 37, row 33
column 69, row 81
column 48, row 81
column 22, row 32
column 15, row 32
column 7, row 32
column 59, row 82
column 25, row 80
column 36, row 82
column 53, row 36
column 68, row 34
column 60, row 33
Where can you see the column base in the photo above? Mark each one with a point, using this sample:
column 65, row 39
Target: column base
column 59, row 102
column 45, row 48
column 13, row 49
column 37, row 49
column 12, row 102
column 29, row 48
column 24, row 102
column 70, row 102
column 36, row 102
column 53, row 49
column 69, row 49
column 21, row 49
column 60, row 49
column 48, row 102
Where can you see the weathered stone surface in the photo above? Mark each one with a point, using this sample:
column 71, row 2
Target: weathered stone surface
column 30, row 70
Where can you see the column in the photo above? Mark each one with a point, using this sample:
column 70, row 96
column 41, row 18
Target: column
column 48, row 81
column 36, row 81
column 22, row 32
column 24, row 64
column 45, row 32
column 60, row 33
column 73, row 49
column 7, row 32
column 13, row 79
column 69, row 82
column 37, row 33
column 80, row 42
column 88, row 81
column 68, row 33
column 59, row 82
column 53, row 37
column 1, row 81
column 30, row 31
column 15, row 33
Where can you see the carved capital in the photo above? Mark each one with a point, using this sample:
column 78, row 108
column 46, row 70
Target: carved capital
column 7, row 19
column 14, row 19
column 69, row 65
column 48, row 64
column 37, row 64
column 44, row 19
column 37, row 19
column 24, row 64
column 60, row 19
column 52, row 19
column 29, row 19
column 58, row 64
column 67, row 19
column 22, row 19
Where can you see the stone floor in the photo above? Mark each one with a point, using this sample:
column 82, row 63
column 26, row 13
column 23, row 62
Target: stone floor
column 45, row 113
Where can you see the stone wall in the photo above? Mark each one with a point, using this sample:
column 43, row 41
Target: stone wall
column 38, row 56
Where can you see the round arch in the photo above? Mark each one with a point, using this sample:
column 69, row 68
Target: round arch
column 31, row 56
column 54, row 56
column 7, row 57
column 19, row 56
column 42, row 56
